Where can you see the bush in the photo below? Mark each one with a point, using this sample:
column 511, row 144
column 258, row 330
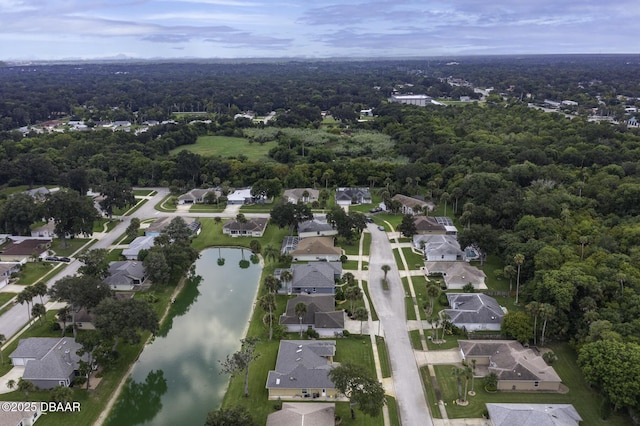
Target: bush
column 468, row 288
column 55, row 326
column 312, row 334
column 491, row 382
column 346, row 333
column 549, row 357
column 442, row 299
column 343, row 258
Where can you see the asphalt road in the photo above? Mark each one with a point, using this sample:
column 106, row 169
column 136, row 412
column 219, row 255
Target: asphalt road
column 390, row 307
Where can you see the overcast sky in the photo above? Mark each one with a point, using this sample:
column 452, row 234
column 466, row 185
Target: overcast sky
column 59, row 29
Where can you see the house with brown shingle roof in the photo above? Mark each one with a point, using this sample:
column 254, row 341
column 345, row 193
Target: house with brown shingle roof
column 316, row 248
column 20, row 250
column 518, row 368
column 411, row 205
column 251, row 228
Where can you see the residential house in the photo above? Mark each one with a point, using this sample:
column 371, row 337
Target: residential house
column 427, row 225
column 316, row 248
column 302, row 370
column 125, row 275
column 321, row 315
column 439, row 248
column 161, row 223
column 39, row 194
column 503, row 414
column 349, row 196
column 301, row 195
column 22, row 249
column 304, row 414
column 315, row 228
column 44, row 231
column 251, row 228
column 411, row 205
column 457, row 274
column 197, row 195
column 6, row 269
column 313, row 278
column 48, row 361
column 135, row 246
column 518, row 368
column 24, row 417
column 474, row 311
column 241, row 196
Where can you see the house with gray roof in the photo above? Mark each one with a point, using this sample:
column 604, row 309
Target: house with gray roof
column 125, row 275
column 456, row 274
column 197, row 195
column 302, row 370
column 301, row 195
column 321, row 315
column 502, row 414
column 156, row 228
column 474, row 311
column 349, row 196
column 314, row 278
column 251, row 228
column 316, row 228
column 304, row 414
column 439, row 248
column 48, row 361
column 518, row 368
column 411, row 205
column 135, row 246
column 6, row 269
column 25, row 417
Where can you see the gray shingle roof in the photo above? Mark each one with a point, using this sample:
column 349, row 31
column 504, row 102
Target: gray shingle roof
column 320, row 311
column 533, row 414
column 125, row 272
column 314, row 226
column 53, row 358
column 474, row 308
column 315, row 274
column 303, row 364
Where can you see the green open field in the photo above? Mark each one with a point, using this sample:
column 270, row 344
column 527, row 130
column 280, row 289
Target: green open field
column 226, row 146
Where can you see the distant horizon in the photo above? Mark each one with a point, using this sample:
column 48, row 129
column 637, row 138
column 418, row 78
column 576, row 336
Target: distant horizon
column 54, row 30
column 125, row 59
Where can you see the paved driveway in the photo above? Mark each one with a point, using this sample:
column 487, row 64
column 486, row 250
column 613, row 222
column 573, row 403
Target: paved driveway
column 391, row 311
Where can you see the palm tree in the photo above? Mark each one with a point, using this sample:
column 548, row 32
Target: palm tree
column 353, row 294
column 432, row 291
column 11, row 384
column 458, row 373
column 361, row 314
column 285, row 277
column 268, row 303
column 349, row 279
column 509, row 272
column 271, row 283
column 26, row 387
column 546, row 312
column 533, row 309
column 445, row 197
column 270, row 253
column 25, row 296
column 220, row 258
column 38, row 310
column 584, row 240
column 468, row 374
column 301, row 311
column 518, row 259
column 473, row 376
column 64, row 315
column 385, row 269
column 40, row 289
column 3, row 339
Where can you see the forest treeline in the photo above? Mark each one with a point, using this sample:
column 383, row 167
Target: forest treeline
column 560, row 195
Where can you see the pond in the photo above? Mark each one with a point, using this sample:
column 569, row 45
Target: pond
column 176, row 379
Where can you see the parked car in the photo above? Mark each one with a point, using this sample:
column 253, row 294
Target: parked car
column 381, row 228
column 57, row 259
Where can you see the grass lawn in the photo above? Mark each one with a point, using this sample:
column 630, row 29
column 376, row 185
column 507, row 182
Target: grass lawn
column 411, row 311
column 491, row 264
column 414, row 261
column 584, row 399
column 207, row 208
column 432, row 400
column 115, row 255
column 226, row 146
column 394, row 415
column 256, row 208
column 143, row 192
column 350, row 264
column 128, row 211
column 72, row 245
column 366, row 244
column 373, row 314
column 383, row 355
column 393, row 219
column 98, row 226
column 414, row 336
column 6, row 296
column 32, row 272
column 450, row 341
column 167, row 204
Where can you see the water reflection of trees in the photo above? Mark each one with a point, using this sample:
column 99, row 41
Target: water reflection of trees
column 139, row 402
column 181, row 304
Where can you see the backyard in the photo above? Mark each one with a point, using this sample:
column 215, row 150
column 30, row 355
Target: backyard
column 226, row 146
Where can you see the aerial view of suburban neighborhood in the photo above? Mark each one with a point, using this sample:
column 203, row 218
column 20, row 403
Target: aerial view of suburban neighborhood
column 439, row 241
